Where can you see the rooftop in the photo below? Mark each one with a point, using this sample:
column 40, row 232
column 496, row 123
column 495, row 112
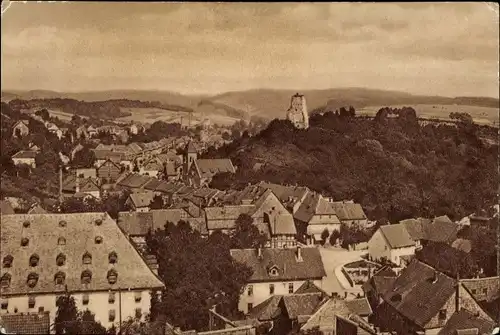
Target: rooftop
column 465, row 320
column 25, row 154
column 209, row 167
column 30, row 323
column 397, row 236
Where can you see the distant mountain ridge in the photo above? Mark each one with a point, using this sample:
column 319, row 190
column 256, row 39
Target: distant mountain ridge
column 265, row 103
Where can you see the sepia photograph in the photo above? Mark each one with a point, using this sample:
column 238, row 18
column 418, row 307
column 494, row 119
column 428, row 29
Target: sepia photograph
column 249, row 168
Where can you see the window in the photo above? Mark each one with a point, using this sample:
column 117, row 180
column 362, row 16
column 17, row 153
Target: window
column 385, row 247
column 271, row 288
column 32, row 279
column 4, row 304
column 138, row 313
column 485, row 290
column 62, row 223
column 25, row 241
column 138, row 296
column 250, row 290
column 60, row 260
column 59, row 278
column 112, row 276
column 85, row 299
column 31, row 302
column 34, row 260
column 98, row 240
column 474, row 291
column 7, row 261
column 86, row 277
column 249, row 306
column 61, row 241
column 290, row 288
column 113, row 257
column 26, row 224
column 5, row 281
column 111, row 315
column 87, row 258
column 98, row 222
column 111, row 298
column 442, row 314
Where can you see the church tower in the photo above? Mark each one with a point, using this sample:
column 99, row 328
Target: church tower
column 297, row 113
column 190, row 155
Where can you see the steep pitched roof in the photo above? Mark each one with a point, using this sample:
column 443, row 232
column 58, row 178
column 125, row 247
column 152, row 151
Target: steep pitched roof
column 359, row 306
column 285, row 193
column 108, row 154
column 419, row 292
column 228, row 212
column 25, row 154
column 207, row 168
column 437, row 230
column 138, row 224
column 6, row 207
column 134, row 180
column 415, row 228
column 152, row 184
column 348, row 211
column 79, row 231
column 396, row 236
column 309, row 287
column 492, row 285
column 314, row 204
column 302, row 304
column 465, row 320
column 266, row 310
column 141, row 199
column 29, row 323
column 326, row 315
column 289, row 267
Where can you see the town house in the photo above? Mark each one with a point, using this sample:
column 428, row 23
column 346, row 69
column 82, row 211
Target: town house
column 20, row 129
column 140, row 201
column 25, row 157
column 391, row 242
column 84, row 254
column 277, row 272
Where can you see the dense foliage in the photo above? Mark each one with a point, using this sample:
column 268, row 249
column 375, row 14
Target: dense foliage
column 448, row 260
column 394, row 167
column 198, row 273
column 110, row 203
column 71, row 321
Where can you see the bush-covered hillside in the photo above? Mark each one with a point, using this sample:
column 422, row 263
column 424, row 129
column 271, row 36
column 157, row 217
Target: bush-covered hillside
column 393, row 166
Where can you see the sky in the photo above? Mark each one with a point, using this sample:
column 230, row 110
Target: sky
column 449, row 49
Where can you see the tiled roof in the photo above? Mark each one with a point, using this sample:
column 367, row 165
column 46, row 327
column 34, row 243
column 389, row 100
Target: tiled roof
column 25, row 154
column 141, row 199
column 108, row 154
column 134, row 180
column 415, row 228
column 6, row 207
column 228, row 212
column 81, row 233
column 168, row 187
column 29, row 323
column 441, row 219
column 465, row 320
column 396, row 236
column 285, row 193
column 348, row 211
column 325, row 316
column 437, row 230
column 314, row 204
column 419, row 292
column 302, row 304
column 309, row 287
column 289, row 267
column 37, row 210
column 152, row 184
column 209, row 167
column 492, row 285
column 282, row 224
column 359, row 306
column 266, row 310
column 136, row 223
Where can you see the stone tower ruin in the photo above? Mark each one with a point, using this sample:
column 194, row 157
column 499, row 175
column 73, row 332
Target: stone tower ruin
column 297, row 113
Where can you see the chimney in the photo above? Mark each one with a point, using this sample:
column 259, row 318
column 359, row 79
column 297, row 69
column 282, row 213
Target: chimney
column 299, row 254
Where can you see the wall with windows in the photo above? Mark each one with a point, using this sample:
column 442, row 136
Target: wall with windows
column 256, row 293
column 103, row 304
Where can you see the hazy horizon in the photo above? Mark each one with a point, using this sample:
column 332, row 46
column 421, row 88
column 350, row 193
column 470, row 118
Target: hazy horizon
column 445, row 49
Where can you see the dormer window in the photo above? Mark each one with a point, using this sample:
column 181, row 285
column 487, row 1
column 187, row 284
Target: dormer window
column 34, row 260
column 87, row 258
column 32, row 279
column 59, row 278
column 273, row 270
column 98, row 222
column 60, row 260
column 98, row 239
column 7, row 261
column 5, row 281
column 112, row 276
column 61, row 241
column 113, row 257
column 25, row 241
column 26, row 224
column 86, row 277
column 62, row 223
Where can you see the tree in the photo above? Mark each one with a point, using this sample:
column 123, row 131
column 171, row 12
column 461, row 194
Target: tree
column 43, row 113
column 226, row 136
column 246, row 234
column 324, row 235
column 334, row 237
column 84, row 158
column 71, row 321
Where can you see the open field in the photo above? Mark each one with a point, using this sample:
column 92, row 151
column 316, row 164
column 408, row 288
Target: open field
column 481, row 115
column 150, row 115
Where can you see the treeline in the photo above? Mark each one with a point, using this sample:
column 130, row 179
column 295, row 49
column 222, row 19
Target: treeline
column 392, row 166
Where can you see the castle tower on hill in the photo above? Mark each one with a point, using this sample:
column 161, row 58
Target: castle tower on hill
column 297, row 113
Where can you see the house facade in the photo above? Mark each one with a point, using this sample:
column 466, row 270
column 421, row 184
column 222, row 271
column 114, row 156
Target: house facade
column 391, row 242
column 20, row 129
column 85, row 254
column 25, row 157
column 277, row 272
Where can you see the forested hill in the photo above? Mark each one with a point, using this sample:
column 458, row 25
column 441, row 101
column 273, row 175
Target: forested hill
column 108, row 109
column 393, row 166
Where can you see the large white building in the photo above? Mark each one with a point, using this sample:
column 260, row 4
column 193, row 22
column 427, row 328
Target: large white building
column 391, row 242
column 85, row 254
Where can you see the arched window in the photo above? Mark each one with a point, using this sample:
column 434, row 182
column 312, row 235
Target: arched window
column 113, row 257
column 5, row 281
column 59, row 278
column 112, row 276
column 7, row 261
column 62, row 223
column 98, row 239
column 98, row 222
column 25, row 241
column 86, row 277
column 61, row 241
column 87, row 258
column 34, row 259
column 60, row 260
column 32, row 279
